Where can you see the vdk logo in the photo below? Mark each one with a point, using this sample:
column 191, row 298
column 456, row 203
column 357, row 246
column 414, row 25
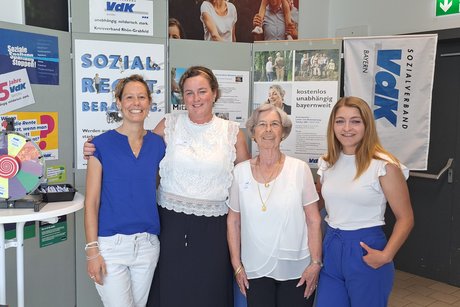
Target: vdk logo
column 120, row 7
column 386, row 94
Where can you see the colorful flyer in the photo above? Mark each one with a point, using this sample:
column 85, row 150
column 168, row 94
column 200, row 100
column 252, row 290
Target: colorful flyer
column 15, row 91
column 40, row 127
column 37, row 53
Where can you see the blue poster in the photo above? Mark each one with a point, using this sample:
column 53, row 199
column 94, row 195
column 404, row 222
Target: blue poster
column 37, row 53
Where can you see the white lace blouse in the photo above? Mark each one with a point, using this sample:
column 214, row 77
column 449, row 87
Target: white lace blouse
column 196, row 171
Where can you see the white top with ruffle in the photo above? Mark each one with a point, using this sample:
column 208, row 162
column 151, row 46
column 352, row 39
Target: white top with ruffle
column 196, row 171
column 354, row 204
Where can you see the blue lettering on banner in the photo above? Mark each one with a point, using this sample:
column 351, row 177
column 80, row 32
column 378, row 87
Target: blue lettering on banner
column 386, row 92
column 312, row 160
column 120, row 7
column 18, row 87
column 113, row 61
column 94, row 106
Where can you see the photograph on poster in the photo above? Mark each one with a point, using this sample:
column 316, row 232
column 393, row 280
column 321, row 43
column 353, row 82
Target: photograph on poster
column 274, row 93
column 316, row 65
column 272, row 66
column 235, row 20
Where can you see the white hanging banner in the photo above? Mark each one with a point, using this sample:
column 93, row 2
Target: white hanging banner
column 394, row 74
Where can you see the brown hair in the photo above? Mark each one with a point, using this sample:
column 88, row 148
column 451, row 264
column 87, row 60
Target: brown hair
column 120, row 87
column 204, row 72
column 369, row 148
column 174, row 22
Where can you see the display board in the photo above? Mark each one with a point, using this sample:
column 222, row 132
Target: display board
column 52, row 108
column 306, row 73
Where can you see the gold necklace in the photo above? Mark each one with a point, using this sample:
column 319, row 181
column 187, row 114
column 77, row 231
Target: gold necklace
column 267, row 182
column 264, row 202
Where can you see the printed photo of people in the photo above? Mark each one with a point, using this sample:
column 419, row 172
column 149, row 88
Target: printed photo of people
column 273, row 66
column 236, row 20
column 276, row 94
column 315, row 65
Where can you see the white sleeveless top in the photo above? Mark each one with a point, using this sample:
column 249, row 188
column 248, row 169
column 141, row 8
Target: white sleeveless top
column 354, row 203
column 196, row 172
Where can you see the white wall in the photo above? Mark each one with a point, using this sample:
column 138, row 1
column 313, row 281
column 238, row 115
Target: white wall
column 313, row 19
column 386, row 17
column 12, row 11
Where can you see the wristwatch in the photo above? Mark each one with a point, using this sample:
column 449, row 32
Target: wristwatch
column 318, row 262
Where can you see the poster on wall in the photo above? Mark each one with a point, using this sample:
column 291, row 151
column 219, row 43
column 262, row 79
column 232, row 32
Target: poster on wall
column 305, row 84
column 234, row 21
column 40, row 127
column 15, row 91
column 233, row 103
column 37, row 53
column 394, row 75
column 50, row 234
column 99, row 65
column 133, row 17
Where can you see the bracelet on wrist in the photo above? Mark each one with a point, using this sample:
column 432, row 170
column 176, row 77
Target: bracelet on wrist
column 318, row 262
column 238, row 270
column 94, row 244
column 93, row 257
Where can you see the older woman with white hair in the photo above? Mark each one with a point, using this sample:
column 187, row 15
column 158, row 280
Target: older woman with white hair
column 273, row 226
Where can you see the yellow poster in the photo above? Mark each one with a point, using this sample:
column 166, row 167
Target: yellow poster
column 40, row 127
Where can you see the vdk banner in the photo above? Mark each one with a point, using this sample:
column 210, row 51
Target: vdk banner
column 394, row 74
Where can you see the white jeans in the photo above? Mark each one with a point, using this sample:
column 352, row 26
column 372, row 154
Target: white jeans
column 131, row 261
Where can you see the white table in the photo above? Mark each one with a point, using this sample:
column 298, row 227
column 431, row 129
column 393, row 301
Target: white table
column 49, row 213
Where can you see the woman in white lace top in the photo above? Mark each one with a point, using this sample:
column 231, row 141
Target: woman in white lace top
column 196, row 173
column 201, row 149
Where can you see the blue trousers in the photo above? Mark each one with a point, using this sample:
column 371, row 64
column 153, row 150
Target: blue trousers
column 346, row 280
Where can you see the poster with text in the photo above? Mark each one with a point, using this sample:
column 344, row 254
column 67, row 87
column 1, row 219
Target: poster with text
column 99, row 65
column 40, row 127
column 37, row 53
column 15, row 91
column 394, row 75
column 133, row 17
column 307, row 84
column 233, row 103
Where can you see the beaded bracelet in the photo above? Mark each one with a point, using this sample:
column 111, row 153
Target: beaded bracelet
column 94, row 244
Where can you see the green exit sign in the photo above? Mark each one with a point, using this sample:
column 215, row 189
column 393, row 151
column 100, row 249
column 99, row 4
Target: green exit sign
column 447, row 7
